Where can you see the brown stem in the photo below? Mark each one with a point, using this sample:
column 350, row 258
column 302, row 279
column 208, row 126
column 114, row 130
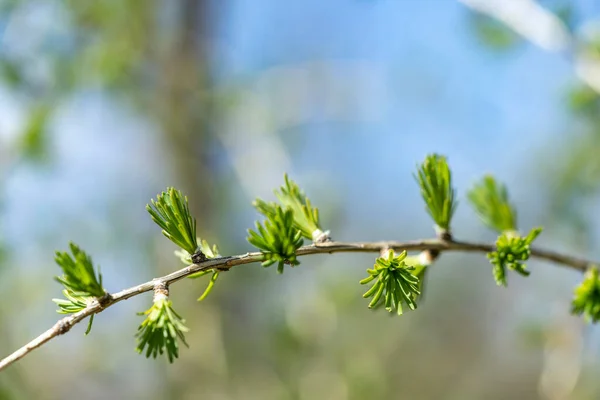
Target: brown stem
column 226, row 263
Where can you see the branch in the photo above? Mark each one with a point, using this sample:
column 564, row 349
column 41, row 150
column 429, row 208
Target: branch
column 225, row 263
column 544, row 29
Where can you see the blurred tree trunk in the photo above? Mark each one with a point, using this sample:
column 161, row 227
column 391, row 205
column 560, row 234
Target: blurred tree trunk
column 184, row 107
column 183, row 112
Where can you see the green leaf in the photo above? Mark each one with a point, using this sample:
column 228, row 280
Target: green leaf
column 278, row 239
column 171, row 212
column 161, row 330
column 306, row 217
column 511, row 253
column 435, row 180
column 490, row 200
column 394, row 283
column 586, row 299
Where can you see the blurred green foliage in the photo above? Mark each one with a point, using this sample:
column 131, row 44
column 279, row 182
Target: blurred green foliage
column 490, row 201
column 105, row 42
column 492, row 33
column 33, row 140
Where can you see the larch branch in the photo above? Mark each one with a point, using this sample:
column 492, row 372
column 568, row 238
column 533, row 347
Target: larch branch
column 226, row 263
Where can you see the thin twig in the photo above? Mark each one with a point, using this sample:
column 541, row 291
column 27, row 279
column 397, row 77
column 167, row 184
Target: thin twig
column 95, row 307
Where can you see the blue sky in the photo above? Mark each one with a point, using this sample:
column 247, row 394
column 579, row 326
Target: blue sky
column 434, row 88
column 440, row 89
column 441, row 83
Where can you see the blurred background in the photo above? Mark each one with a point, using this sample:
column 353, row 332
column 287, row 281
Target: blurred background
column 105, row 103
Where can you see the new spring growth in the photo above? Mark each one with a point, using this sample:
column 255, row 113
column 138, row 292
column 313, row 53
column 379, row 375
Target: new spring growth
column 396, row 279
column 420, row 263
column 162, row 329
column 277, row 238
column 394, row 283
column 171, row 212
column 586, row 300
column 306, row 217
column 81, row 284
column 435, row 180
column 490, row 200
column 511, row 253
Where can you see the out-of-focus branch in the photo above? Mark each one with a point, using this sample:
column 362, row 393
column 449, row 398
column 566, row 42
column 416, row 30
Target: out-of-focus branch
column 544, row 29
column 528, row 19
column 226, row 263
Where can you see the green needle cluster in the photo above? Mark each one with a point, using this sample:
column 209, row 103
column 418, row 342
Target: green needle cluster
column 490, row 200
column 161, row 330
column 306, row 217
column 171, row 212
column 394, row 283
column 81, row 285
column 278, row 239
column 586, row 300
column 435, row 180
column 79, row 276
column 511, row 253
